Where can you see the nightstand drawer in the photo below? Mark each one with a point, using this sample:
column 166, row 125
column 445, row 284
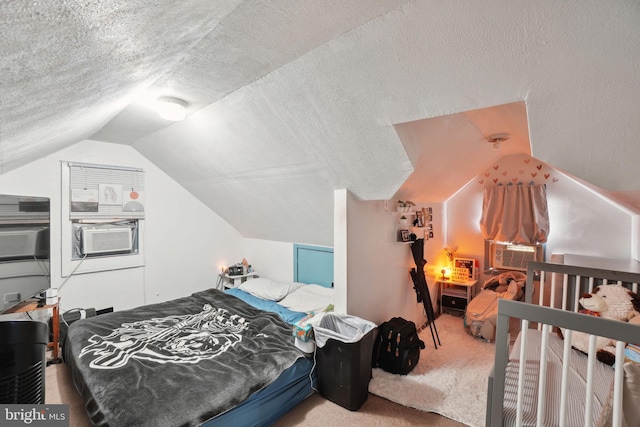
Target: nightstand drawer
column 457, row 303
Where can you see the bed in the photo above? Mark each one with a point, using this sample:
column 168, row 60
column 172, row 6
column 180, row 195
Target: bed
column 541, row 379
column 213, row 358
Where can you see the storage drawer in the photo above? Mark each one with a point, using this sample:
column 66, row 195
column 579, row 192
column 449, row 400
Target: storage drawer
column 456, row 303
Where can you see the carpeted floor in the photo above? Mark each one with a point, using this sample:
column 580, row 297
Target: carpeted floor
column 450, row 381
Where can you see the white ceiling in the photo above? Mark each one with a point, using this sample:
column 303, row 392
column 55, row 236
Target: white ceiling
column 291, row 99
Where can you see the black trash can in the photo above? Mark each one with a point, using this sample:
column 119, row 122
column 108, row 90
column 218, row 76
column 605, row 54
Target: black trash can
column 23, row 346
column 344, row 350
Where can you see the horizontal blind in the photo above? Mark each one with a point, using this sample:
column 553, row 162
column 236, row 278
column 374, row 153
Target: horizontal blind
column 103, row 191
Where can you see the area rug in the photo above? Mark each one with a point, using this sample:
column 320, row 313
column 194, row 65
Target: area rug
column 450, row 380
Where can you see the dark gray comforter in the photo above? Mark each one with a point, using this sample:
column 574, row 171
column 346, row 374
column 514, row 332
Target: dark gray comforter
column 176, row 363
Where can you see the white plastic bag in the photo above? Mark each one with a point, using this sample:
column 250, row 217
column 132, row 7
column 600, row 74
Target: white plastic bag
column 341, row 327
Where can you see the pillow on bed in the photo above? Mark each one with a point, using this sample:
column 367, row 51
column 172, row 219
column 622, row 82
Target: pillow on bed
column 268, row 289
column 308, row 298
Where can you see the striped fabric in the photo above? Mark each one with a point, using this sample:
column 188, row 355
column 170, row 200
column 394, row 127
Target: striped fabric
column 603, row 380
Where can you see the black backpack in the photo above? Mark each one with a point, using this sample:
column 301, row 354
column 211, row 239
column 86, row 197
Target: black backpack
column 397, row 348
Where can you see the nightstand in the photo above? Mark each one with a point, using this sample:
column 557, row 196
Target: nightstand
column 229, row 282
column 455, row 295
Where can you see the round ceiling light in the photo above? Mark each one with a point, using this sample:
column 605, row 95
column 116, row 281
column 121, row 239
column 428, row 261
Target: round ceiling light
column 497, row 139
column 173, row 109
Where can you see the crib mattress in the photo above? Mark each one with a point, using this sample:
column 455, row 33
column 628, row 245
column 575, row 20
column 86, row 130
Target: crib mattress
column 603, row 380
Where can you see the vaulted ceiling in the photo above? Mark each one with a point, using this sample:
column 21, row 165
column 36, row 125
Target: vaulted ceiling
column 291, row 99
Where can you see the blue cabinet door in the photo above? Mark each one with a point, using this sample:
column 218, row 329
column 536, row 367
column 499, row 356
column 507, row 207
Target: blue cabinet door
column 313, row 264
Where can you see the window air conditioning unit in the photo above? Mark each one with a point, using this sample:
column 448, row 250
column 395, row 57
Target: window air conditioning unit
column 506, row 256
column 22, row 243
column 104, row 240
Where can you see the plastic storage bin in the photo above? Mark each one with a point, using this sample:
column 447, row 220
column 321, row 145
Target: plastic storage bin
column 345, row 346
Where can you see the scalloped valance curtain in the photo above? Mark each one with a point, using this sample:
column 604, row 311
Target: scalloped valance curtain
column 515, row 213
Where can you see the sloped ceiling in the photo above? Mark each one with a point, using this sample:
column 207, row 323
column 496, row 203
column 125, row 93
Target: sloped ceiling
column 289, row 100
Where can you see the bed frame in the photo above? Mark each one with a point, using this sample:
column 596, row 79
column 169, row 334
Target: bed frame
column 553, row 303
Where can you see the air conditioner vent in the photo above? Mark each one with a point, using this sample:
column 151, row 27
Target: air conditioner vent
column 514, row 257
column 21, row 243
column 100, row 240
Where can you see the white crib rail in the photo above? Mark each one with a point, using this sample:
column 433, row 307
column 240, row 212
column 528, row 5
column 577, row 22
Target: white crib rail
column 618, row 331
column 575, row 282
column 542, row 382
column 562, row 313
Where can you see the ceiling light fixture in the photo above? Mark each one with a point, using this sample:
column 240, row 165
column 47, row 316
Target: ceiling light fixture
column 173, row 109
column 497, row 139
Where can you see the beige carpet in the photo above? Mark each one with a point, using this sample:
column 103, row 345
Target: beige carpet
column 414, row 390
column 450, row 381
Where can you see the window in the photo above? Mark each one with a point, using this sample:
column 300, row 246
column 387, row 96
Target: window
column 103, row 213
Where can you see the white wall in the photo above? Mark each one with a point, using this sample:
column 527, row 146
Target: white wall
column 464, row 210
column 185, row 242
column 377, row 285
column 584, row 223
column 270, row 259
column 434, row 247
column 341, row 205
column 581, row 220
column 635, row 238
column 371, row 269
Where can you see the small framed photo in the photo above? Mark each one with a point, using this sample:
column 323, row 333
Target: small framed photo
column 404, row 235
column 431, row 234
column 419, row 219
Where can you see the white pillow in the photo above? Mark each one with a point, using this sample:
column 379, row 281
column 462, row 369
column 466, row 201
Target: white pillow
column 268, row 289
column 308, row 298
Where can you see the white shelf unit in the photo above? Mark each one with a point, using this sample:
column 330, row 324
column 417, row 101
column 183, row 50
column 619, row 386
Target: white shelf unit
column 423, row 232
column 400, row 226
column 234, row 281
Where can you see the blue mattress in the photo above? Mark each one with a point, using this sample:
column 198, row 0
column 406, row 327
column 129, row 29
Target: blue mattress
column 266, row 406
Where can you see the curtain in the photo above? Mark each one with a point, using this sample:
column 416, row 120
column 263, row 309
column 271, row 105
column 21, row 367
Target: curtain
column 515, row 213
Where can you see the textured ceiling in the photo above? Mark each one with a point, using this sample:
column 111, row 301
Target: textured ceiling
column 289, row 100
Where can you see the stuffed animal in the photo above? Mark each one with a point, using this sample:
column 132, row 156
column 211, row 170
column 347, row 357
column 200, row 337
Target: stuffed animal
column 610, row 302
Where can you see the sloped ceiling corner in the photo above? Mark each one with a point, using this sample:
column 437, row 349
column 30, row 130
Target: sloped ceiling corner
column 290, row 100
column 442, row 146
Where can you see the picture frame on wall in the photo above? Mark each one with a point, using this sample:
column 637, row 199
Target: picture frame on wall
column 404, row 235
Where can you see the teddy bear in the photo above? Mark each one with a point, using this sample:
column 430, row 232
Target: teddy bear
column 610, row 302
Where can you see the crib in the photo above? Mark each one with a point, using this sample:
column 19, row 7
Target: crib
column 539, row 379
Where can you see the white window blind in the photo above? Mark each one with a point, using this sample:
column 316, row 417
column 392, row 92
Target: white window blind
column 103, row 191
